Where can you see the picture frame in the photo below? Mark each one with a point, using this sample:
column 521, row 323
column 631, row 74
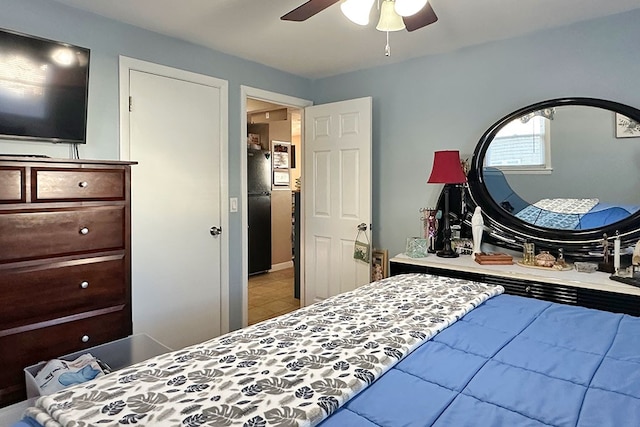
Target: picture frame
column 280, row 161
column 626, row 127
column 379, row 264
column 281, row 177
column 280, row 154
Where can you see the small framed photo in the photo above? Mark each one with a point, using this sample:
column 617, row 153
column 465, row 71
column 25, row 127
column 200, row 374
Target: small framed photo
column 281, row 154
column 281, row 177
column 626, row 127
column 379, row 264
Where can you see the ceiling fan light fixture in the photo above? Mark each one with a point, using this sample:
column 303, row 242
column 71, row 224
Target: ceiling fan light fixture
column 409, row 7
column 389, row 19
column 357, row 11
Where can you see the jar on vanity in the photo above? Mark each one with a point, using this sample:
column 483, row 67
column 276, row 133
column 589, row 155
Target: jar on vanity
column 545, row 259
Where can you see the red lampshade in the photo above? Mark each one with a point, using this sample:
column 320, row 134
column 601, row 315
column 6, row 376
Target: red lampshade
column 447, row 168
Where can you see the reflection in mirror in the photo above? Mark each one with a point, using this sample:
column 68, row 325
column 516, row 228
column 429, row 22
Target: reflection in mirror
column 555, row 174
column 563, row 168
column 523, row 144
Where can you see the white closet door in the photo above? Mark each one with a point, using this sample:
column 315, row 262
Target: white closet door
column 175, row 137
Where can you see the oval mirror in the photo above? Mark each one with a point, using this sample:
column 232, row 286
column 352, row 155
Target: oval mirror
column 560, row 173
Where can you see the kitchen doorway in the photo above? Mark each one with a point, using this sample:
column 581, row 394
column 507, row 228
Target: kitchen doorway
column 273, row 202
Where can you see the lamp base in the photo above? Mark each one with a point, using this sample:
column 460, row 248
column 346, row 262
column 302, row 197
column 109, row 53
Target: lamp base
column 447, row 254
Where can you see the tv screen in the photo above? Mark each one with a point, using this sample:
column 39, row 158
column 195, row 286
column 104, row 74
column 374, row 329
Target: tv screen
column 43, row 89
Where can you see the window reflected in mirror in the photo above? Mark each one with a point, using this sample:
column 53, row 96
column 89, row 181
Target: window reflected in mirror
column 522, row 144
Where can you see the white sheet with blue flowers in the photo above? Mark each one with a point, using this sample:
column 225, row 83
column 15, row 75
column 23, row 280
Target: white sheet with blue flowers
column 294, row 370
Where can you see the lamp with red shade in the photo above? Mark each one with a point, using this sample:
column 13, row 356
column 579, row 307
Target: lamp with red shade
column 447, row 170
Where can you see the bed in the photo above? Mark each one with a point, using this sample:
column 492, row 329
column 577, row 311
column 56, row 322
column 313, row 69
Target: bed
column 407, row 350
column 557, row 213
column 574, row 214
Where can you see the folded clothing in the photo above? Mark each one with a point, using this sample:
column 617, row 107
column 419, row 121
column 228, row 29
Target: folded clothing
column 58, row 374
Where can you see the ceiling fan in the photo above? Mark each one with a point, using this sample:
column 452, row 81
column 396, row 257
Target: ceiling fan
column 412, row 14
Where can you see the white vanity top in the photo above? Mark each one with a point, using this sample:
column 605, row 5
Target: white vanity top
column 597, row 280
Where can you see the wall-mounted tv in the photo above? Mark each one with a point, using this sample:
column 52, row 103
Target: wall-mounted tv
column 43, row 89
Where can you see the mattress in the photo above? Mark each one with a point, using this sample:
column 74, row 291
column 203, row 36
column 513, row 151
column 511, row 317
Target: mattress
column 513, row 361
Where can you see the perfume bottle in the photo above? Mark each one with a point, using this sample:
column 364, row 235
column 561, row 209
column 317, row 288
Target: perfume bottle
column 560, row 261
column 528, row 253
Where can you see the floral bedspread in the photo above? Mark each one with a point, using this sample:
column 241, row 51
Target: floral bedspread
column 567, row 206
column 294, row 370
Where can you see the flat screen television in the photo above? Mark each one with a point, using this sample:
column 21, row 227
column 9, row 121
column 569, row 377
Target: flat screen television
column 43, row 89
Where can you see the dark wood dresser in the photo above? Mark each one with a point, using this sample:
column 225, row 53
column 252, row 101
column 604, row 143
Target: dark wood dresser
column 65, row 263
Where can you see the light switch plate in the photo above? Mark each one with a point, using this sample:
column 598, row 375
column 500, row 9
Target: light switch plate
column 233, row 204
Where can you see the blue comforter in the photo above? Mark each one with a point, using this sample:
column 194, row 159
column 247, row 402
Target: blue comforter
column 512, row 361
column 601, row 215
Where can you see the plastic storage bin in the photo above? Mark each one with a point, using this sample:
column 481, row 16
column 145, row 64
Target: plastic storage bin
column 117, row 354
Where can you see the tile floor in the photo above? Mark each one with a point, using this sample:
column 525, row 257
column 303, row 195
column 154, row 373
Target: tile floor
column 270, row 295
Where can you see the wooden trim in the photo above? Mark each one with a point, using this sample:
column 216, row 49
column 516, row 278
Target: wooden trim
column 65, row 261
column 75, row 162
column 61, row 320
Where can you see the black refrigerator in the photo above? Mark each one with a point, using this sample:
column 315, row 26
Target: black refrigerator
column 259, row 209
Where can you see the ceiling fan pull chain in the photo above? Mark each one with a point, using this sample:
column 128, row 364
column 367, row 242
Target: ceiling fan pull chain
column 387, row 48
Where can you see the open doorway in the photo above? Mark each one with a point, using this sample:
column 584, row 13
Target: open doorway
column 272, row 169
column 273, row 187
column 335, row 154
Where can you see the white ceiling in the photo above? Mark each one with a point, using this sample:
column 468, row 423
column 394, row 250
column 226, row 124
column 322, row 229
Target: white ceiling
column 328, row 44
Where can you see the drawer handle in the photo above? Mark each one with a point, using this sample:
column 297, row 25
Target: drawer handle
column 85, row 338
column 84, row 285
column 83, row 184
column 84, row 230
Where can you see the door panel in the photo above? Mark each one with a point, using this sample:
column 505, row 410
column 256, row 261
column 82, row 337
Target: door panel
column 350, row 180
column 337, row 195
column 174, row 135
column 322, row 173
column 321, row 278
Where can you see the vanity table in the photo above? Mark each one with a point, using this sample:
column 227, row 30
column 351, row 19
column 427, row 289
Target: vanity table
column 593, row 290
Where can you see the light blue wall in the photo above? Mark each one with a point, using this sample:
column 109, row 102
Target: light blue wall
column 431, row 103
column 447, row 101
column 107, row 40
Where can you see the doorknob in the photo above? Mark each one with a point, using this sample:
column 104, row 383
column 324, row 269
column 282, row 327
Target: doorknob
column 215, row 231
column 362, row 227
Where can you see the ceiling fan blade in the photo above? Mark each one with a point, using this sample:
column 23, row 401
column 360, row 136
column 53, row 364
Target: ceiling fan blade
column 421, row 19
column 307, row 10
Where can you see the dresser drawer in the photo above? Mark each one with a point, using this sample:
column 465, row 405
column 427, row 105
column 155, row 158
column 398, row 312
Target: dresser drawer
column 33, row 235
column 11, row 184
column 44, row 291
column 18, row 351
column 77, row 184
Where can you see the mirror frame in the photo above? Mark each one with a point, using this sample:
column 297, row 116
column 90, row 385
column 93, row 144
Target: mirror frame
column 508, row 231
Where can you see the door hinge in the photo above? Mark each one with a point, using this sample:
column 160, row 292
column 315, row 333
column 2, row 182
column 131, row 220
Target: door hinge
column 130, row 104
